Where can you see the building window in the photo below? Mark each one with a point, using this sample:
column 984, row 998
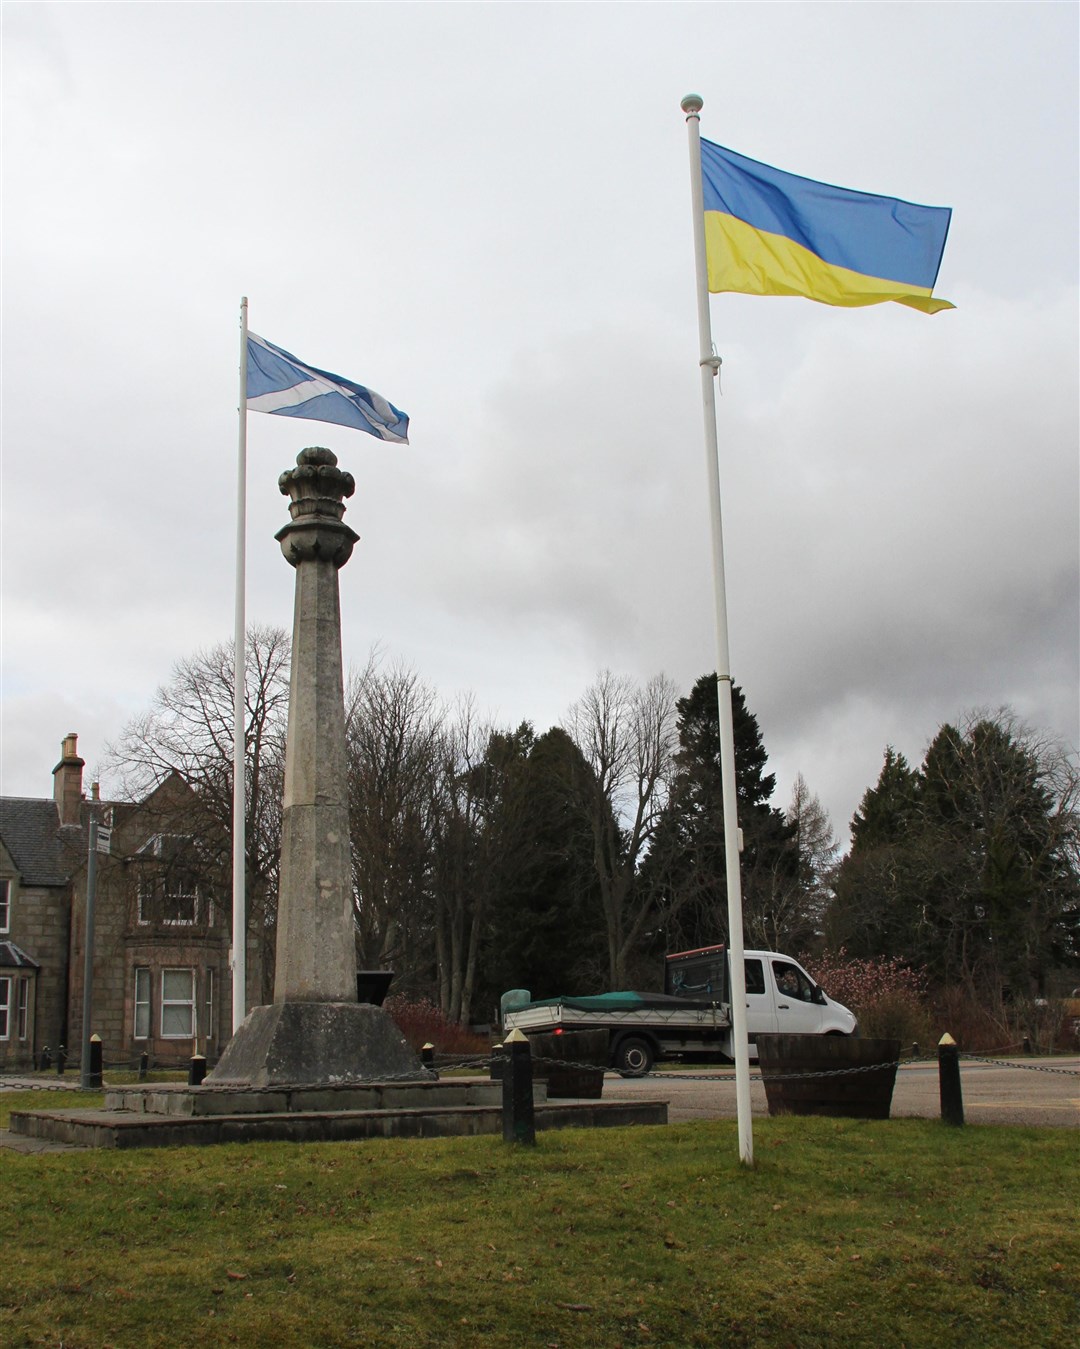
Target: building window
column 174, row 901
column 5, row 906
column 791, row 982
column 5, row 1007
column 179, row 905
column 142, row 1003
column 209, row 1004
column 177, row 1004
column 163, row 846
column 755, row 976
column 169, row 893
column 22, row 1010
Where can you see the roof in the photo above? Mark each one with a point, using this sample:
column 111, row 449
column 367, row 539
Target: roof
column 12, row 958
column 45, row 852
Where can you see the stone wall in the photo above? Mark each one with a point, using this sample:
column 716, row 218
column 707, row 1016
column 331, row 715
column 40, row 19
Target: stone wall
column 40, row 926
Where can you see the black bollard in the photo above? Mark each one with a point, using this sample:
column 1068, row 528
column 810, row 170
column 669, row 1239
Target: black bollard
column 91, row 1073
column 915, row 1049
column 952, row 1099
column 196, row 1070
column 498, row 1063
column 427, row 1058
column 144, row 1064
column 61, row 1061
column 1027, row 1045
column 46, row 1059
column 519, row 1125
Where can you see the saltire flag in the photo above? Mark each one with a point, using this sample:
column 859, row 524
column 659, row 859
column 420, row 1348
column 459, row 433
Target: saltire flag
column 768, row 232
column 279, row 383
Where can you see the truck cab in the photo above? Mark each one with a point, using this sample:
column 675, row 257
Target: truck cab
column 780, row 995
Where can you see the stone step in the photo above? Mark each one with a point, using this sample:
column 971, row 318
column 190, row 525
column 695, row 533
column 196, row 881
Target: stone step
column 177, row 1098
column 130, row 1129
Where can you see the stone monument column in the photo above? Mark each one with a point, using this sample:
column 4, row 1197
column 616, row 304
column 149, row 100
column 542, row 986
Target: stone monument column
column 316, row 956
column 315, row 1033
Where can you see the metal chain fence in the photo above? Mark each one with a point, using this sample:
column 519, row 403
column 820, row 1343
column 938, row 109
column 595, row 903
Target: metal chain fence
column 1029, row 1067
column 483, row 1064
column 670, row 1075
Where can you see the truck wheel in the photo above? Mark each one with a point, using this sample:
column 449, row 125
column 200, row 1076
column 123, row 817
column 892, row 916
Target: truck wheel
column 634, row 1057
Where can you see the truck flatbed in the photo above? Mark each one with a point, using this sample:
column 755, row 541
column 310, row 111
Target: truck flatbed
column 620, row 1009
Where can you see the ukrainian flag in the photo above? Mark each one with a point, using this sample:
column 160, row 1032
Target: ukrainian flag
column 773, row 233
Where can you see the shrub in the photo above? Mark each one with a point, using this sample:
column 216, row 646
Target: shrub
column 970, row 1023
column 887, row 996
column 892, row 1000
column 993, row 1026
column 422, row 1022
column 1043, row 1021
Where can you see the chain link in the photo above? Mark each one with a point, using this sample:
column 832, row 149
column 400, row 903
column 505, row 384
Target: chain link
column 571, row 1065
column 483, row 1063
column 1028, row 1067
column 24, row 1084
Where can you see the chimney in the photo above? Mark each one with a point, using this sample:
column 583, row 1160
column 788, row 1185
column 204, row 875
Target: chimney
column 67, row 781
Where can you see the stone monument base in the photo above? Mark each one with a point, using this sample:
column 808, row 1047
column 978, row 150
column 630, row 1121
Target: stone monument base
column 316, row 1044
column 171, row 1115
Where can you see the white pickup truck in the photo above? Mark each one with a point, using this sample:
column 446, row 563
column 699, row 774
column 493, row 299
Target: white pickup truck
column 691, row 1019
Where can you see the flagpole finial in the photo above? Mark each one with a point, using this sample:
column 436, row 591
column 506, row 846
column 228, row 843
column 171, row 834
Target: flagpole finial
column 692, row 104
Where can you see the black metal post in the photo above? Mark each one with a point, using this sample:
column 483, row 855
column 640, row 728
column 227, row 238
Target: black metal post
column 85, row 1068
column 46, row 1059
column 498, row 1063
column 196, row 1069
column 952, row 1099
column 61, row 1061
column 91, row 1073
column 427, row 1057
column 144, row 1064
column 519, row 1124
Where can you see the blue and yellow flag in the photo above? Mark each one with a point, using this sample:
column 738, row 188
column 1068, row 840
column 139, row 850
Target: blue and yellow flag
column 773, row 233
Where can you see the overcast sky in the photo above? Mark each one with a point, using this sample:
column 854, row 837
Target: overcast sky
column 483, row 212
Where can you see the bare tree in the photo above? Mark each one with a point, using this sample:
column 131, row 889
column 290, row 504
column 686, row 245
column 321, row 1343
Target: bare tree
column 818, row 851
column 394, row 730
column 189, row 731
column 627, row 735
column 463, row 871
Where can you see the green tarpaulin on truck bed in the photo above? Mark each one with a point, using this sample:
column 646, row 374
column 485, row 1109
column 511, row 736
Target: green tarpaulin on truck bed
column 602, row 1002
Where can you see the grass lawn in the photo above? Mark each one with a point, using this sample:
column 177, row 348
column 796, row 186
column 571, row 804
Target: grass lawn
column 901, row 1232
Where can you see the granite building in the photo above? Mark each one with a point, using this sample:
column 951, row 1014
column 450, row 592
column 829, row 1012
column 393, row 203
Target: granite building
column 161, row 979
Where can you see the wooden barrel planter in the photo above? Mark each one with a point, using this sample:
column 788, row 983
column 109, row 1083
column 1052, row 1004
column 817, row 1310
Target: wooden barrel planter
column 865, row 1094
column 565, row 1054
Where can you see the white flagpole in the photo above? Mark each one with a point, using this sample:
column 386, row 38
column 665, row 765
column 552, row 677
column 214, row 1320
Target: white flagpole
column 710, row 366
column 239, row 905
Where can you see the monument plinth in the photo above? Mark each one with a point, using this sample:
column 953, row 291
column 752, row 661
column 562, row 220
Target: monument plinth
column 316, row 1032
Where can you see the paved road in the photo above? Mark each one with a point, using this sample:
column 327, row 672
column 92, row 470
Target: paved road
column 993, row 1093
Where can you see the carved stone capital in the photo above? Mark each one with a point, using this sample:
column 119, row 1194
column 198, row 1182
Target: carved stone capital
column 316, row 489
